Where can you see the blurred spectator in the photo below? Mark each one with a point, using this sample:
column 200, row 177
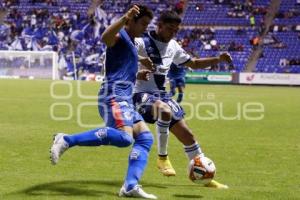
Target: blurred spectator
column 199, row 7
column 234, row 47
column 9, row 3
column 252, row 21
column 223, row 2
column 207, row 46
column 214, row 45
column 279, row 45
column 295, row 61
column 240, row 31
column 283, row 62
column 255, row 41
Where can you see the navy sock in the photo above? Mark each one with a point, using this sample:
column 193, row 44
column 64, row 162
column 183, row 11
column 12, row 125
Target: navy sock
column 172, row 91
column 180, row 97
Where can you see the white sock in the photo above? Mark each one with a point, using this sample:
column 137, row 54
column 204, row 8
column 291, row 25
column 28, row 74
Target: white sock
column 193, row 150
column 162, row 129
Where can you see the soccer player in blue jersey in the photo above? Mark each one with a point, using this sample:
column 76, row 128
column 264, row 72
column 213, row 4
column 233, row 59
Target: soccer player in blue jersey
column 124, row 125
column 151, row 98
column 176, row 77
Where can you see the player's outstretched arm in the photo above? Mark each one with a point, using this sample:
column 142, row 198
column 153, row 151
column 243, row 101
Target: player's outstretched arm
column 110, row 35
column 201, row 63
column 93, row 6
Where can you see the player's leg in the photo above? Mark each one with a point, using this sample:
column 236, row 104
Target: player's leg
column 100, row 136
column 172, row 87
column 95, row 137
column 180, row 85
column 186, row 137
column 162, row 112
column 154, row 110
column 117, row 133
column 180, row 94
column 138, row 159
column 191, row 146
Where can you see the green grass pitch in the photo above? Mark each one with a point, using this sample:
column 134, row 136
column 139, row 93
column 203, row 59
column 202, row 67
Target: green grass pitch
column 257, row 159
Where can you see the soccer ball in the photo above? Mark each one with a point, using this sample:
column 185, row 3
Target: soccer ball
column 201, row 170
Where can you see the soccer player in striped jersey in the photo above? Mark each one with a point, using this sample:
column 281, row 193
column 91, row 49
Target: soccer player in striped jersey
column 150, row 97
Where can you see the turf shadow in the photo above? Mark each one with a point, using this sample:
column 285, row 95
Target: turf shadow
column 77, row 188
column 186, row 196
column 71, row 188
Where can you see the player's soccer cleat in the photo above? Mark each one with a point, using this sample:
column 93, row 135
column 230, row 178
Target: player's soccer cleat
column 59, row 146
column 165, row 167
column 217, row 185
column 137, row 192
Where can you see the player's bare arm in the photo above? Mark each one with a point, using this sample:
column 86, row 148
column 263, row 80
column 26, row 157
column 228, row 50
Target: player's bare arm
column 200, row 63
column 93, row 6
column 110, row 35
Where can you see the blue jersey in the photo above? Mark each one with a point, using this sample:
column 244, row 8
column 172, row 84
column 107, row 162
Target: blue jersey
column 176, row 71
column 115, row 97
column 121, row 67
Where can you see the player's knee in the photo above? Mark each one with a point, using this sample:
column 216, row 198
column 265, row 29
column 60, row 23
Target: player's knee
column 164, row 110
column 145, row 140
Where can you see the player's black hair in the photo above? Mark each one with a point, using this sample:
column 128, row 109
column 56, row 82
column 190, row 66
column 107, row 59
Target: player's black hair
column 144, row 11
column 169, row 17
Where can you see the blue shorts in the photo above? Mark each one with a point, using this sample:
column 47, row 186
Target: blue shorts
column 143, row 103
column 117, row 113
column 177, row 82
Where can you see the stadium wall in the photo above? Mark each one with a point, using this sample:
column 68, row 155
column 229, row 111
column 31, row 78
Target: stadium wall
column 243, row 78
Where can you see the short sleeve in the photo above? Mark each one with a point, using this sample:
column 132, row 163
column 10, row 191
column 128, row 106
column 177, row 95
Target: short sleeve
column 181, row 56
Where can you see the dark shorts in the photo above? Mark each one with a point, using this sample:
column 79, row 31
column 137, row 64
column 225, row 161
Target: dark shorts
column 143, row 103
